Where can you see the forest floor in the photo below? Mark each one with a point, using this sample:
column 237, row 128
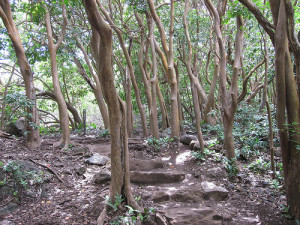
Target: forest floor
column 71, row 195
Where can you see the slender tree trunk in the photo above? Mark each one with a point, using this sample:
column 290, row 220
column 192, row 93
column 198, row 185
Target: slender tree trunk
column 62, row 106
column 154, row 81
column 193, row 78
column 97, row 86
column 175, row 129
column 32, row 122
column 131, row 71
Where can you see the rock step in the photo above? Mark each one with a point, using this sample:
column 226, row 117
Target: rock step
column 207, row 191
column 194, row 216
column 164, row 177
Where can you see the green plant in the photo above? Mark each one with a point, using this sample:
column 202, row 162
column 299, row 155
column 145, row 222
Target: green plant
column 114, row 205
column 285, row 211
column 159, row 143
column 231, row 167
column 260, row 165
column 104, row 133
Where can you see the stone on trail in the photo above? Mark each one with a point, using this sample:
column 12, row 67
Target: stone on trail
column 183, row 195
column 97, row 159
column 102, row 177
column 187, row 139
column 145, row 165
column 185, row 215
column 214, row 192
column 142, row 177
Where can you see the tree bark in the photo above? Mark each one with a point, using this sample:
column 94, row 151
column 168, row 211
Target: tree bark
column 168, row 50
column 120, row 179
column 32, row 122
column 53, row 48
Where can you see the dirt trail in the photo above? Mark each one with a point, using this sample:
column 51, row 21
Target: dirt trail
column 180, row 188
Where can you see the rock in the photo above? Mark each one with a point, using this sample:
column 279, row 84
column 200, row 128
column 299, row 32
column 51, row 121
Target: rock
column 215, row 172
column 101, row 177
column 185, row 215
column 213, row 192
column 97, row 159
column 6, row 222
column 160, row 196
column 17, row 128
column 187, row 139
column 145, row 165
column 81, row 170
column 195, row 145
column 142, row 177
column 277, row 152
column 185, row 195
column 8, row 209
column 78, row 150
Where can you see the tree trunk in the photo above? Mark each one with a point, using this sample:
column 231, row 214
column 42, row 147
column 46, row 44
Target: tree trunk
column 175, row 129
column 97, row 86
column 62, row 106
column 32, row 122
column 131, row 71
column 287, row 102
column 120, row 180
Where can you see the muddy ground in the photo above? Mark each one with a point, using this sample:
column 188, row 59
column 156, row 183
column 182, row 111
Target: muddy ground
column 70, row 195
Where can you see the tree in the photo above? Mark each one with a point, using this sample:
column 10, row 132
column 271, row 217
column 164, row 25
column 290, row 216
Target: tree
column 53, row 48
column 32, row 120
column 120, row 177
column 282, row 35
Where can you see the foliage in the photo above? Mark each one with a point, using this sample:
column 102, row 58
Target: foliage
column 231, row 167
column 17, row 105
column 15, row 179
column 132, row 215
column 159, row 143
column 260, row 165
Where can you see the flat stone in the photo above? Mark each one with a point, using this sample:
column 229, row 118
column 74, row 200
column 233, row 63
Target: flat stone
column 81, row 170
column 185, row 195
column 8, row 209
column 214, row 192
column 145, row 165
column 102, row 177
column 78, row 150
column 185, row 215
column 97, row 159
column 142, row 177
column 187, row 139
column 6, row 222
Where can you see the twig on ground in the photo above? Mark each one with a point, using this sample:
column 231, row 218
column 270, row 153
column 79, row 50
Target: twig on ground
column 50, row 169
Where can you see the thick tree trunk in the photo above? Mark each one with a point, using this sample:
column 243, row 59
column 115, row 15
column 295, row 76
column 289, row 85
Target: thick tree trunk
column 62, row 106
column 287, row 102
column 32, row 122
column 120, row 180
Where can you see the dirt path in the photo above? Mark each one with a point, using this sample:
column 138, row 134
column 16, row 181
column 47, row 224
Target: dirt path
column 181, row 189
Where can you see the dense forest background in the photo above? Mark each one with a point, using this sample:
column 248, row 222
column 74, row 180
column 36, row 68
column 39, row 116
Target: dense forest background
column 227, row 72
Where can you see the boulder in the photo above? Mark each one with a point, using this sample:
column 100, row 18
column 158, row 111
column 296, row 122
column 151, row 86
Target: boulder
column 187, row 139
column 102, row 177
column 97, row 159
column 142, row 177
column 185, row 215
column 17, row 128
column 214, row 192
column 195, row 145
column 145, row 165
